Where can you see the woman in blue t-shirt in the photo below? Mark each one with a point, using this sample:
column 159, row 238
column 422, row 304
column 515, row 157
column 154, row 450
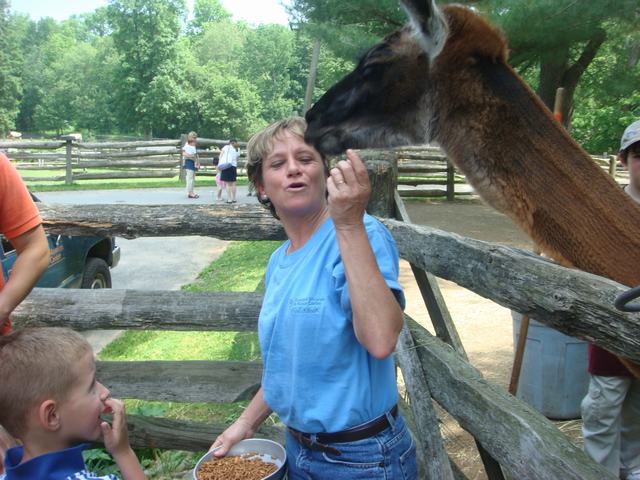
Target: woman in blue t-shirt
column 330, row 319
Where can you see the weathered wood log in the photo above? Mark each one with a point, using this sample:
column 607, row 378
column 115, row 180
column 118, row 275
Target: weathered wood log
column 106, row 176
column 575, row 302
column 139, row 309
column 437, row 465
column 226, row 222
column 134, row 144
column 416, row 182
column 165, row 162
column 36, row 156
column 151, row 432
column 408, row 169
column 187, row 381
column 131, row 154
column 430, row 192
column 45, row 166
column 125, row 174
column 525, row 443
column 426, row 155
column 32, row 144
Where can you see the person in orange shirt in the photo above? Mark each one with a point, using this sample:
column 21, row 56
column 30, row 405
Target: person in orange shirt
column 21, row 224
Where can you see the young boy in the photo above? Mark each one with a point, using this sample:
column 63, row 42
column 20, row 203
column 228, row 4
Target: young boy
column 191, row 163
column 611, row 408
column 51, row 402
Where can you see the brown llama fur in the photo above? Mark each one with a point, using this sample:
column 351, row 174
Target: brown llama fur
column 496, row 131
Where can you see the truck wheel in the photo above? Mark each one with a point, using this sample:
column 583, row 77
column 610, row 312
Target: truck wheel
column 96, row 274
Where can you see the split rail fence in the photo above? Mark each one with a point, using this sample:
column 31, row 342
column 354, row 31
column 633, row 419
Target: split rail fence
column 423, row 171
column 514, row 440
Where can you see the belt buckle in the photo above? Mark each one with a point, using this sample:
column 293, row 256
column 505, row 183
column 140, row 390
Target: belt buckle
column 317, row 446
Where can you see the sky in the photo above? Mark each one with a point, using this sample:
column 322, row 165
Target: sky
column 253, row 11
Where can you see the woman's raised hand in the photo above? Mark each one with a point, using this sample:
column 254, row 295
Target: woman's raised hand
column 349, row 188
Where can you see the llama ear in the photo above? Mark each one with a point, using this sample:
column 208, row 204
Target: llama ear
column 428, row 23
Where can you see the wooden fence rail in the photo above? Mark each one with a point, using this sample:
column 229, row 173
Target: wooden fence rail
column 151, row 159
column 423, row 171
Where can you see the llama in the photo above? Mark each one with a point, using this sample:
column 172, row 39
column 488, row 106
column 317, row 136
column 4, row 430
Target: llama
column 445, row 78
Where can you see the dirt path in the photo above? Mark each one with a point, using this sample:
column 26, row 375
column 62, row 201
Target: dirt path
column 485, row 327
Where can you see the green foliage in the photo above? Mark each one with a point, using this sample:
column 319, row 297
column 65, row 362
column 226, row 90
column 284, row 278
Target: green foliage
column 206, row 12
column 145, row 33
column 268, row 57
column 10, row 65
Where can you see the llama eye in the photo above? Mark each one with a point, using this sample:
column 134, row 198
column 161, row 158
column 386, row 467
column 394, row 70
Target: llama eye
column 370, row 70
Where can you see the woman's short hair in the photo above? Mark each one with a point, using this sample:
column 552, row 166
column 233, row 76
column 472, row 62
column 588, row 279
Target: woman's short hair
column 261, row 144
column 191, row 136
column 36, row 364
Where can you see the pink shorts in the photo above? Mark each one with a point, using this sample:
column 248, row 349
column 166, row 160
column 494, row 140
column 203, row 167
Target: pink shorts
column 219, row 182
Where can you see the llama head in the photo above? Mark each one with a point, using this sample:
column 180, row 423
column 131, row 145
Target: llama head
column 391, row 98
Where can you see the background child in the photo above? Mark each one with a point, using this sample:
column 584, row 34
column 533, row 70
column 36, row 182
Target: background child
column 191, row 163
column 51, row 402
column 222, row 186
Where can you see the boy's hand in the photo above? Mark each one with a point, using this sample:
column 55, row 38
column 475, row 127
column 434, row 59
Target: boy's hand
column 116, row 437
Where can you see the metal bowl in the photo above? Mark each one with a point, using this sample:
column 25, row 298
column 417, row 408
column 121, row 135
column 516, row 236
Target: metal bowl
column 268, row 451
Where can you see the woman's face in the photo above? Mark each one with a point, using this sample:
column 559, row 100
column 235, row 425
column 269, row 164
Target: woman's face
column 293, row 177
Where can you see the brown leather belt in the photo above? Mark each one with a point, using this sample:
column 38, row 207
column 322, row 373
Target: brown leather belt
column 354, row 434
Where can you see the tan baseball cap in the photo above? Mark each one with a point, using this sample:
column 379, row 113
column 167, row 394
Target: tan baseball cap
column 630, row 136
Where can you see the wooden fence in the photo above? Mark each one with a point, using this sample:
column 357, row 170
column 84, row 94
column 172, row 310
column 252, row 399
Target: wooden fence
column 513, row 438
column 67, row 160
column 423, row 171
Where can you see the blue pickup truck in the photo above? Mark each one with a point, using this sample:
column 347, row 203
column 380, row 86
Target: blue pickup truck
column 75, row 262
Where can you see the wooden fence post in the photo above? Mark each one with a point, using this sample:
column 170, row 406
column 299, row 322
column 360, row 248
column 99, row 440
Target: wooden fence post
column 68, row 178
column 451, row 181
column 383, row 174
column 613, row 161
column 183, row 140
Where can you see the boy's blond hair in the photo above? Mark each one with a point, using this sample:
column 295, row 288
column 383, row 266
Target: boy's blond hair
column 261, row 144
column 36, row 364
column 191, row 136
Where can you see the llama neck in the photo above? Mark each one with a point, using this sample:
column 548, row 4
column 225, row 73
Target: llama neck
column 524, row 164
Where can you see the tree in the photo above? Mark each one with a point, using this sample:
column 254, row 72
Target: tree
column 10, row 84
column 145, row 33
column 222, row 43
column 266, row 63
column 347, row 28
column 207, row 11
column 562, row 36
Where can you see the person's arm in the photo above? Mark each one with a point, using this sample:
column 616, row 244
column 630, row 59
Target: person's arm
column 244, row 427
column 116, row 441
column 377, row 316
column 32, row 250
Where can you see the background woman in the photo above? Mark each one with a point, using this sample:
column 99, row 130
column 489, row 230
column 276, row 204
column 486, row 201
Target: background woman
column 229, row 155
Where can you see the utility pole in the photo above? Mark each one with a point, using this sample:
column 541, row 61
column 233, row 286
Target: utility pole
column 313, row 70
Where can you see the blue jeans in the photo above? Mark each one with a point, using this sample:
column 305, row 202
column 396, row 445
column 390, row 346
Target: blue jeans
column 389, row 455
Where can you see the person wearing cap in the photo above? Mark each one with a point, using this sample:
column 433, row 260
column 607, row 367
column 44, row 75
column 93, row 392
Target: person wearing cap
column 611, row 408
column 229, row 155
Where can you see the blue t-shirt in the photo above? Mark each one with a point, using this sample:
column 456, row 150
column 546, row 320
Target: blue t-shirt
column 65, row 464
column 316, row 375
